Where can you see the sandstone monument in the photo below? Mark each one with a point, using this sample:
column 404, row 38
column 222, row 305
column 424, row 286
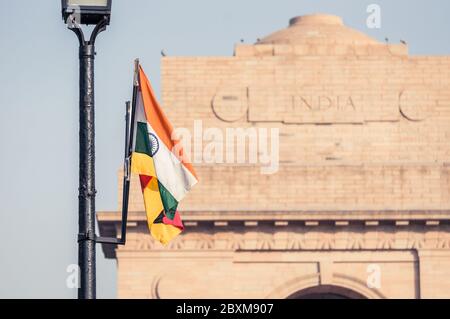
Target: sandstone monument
column 360, row 204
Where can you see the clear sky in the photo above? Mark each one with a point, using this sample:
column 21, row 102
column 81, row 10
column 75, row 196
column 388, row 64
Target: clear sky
column 39, row 106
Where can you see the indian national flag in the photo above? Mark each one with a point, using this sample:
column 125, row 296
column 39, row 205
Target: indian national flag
column 165, row 175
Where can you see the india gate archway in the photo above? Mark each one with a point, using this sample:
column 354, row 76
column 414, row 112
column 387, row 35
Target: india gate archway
column 359, row 206
column 326, row 292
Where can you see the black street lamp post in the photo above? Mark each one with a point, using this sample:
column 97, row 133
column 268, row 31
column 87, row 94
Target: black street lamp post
column 76, row 13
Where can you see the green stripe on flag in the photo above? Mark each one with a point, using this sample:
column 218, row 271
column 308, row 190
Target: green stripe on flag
column 169, row 202
column 143, row 144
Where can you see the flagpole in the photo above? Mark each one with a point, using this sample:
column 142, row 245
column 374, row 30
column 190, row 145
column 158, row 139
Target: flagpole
column 126, row 175
column 129, row 140
column 133, row 106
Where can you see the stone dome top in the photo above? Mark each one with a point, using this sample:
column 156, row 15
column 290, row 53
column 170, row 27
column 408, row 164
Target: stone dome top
column 317, row 29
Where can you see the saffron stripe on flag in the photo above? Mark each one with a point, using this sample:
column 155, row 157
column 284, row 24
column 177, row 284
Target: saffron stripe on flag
column 157, row 119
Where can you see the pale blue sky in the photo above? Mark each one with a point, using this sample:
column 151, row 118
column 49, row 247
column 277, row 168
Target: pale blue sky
column 39, row 106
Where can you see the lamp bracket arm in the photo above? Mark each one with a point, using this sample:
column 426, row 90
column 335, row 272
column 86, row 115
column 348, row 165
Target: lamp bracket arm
column 74, row 26
column 100, row 27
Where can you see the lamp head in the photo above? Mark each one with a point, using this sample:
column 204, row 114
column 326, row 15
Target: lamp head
column 86, row 11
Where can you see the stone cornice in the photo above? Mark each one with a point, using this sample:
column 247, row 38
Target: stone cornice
column 343, row 230
column 310, row 215
column 295, row 239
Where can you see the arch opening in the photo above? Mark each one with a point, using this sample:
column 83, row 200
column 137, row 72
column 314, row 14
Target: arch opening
column 326, row 292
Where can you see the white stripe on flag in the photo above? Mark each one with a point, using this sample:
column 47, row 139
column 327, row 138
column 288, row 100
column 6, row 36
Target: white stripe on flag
column 174, row 176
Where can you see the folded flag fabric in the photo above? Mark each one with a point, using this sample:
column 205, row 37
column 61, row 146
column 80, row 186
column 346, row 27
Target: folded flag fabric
column 166, row 176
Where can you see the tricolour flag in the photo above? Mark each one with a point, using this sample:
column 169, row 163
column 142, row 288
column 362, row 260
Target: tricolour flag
column 165, row 175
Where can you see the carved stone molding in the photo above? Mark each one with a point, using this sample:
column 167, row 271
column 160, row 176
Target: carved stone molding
column 300, row 240
column 230, row 105
column 416, row 105
column 290, row 231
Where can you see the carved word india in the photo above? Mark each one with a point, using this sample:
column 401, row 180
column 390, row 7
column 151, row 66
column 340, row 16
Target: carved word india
column 312, row 105
column 322, row 103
